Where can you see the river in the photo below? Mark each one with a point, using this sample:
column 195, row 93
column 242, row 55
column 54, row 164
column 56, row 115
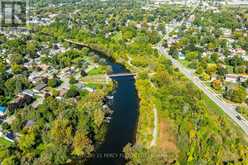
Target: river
column 123, row 125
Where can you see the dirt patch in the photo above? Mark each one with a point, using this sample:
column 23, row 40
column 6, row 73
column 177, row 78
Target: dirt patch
column 166, row 138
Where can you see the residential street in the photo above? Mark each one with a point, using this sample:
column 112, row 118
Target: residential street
column 227, row 108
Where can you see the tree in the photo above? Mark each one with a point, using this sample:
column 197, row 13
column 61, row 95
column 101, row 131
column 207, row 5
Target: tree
column 53, row 83
column 16, row 84
column 72, row 92
column 83, row 73
column 9, row 161
column 27, row 141
column 242, row 110
column 216, row 84
column 17, row 69
column 221, row 71
column 5, row 126
column 214, row 57
column 61, row 131
column 192, row 55
column 82, row 145
column 16, row 59
column 212, row 46
column 211, row 69
column 204, row 76
column 73, row 80
column 53, row 154
column 236, row 94
column 31, row 48
column 55, row 92
column 2, row 68
column 245, row 84
column 173, row 51
column 98, row 117
column 199, row 70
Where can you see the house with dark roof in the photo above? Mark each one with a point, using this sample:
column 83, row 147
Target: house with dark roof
column 20, row 102
column 39, row 87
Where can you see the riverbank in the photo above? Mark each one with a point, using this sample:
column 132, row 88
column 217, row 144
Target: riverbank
column 146, row 127
column 125, row 105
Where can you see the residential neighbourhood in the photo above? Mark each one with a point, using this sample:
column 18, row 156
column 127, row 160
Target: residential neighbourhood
column 227, row 63
column 42, row 77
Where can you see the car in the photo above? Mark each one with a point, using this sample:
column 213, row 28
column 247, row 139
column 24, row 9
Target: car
column 238, row 117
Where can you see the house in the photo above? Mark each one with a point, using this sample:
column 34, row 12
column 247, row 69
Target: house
column 20, row 102
column 2, row 110
column 227, row 32
column 28, row 64
column 231, row 78
column 234, row 78
column 44, row 67
column 240, row 51
column 28, row 92
column 29, row 123
column 242, row 78
column 39, row 87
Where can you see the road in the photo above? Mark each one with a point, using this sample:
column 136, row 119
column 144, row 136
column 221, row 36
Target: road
column 155, row 129
column 227, row 108
column 178, row 24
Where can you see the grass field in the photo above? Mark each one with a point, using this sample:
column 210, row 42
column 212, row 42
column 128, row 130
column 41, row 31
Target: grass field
column 92, row 85
column 4, row 142
column 96, row 71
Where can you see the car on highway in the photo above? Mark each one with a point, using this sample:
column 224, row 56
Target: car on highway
column 238, row 117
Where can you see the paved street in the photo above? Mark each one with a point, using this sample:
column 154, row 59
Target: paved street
column 227, row 108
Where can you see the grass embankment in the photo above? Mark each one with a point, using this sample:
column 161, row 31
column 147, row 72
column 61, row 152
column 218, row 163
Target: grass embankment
column 4, row 142
column 215, row 110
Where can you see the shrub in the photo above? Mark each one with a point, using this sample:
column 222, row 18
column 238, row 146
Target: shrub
column 54, row 83
column 72, row 92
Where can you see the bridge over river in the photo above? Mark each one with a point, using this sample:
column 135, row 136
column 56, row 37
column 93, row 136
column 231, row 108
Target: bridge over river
column 121, row 75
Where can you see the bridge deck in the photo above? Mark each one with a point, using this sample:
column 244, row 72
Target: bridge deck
column 121, row 75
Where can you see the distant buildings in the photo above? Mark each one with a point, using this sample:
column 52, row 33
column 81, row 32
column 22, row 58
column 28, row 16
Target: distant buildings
column 237, row 2
column 39, row 87
column 234, row 78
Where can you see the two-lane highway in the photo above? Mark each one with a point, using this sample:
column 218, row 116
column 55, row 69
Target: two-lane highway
column 229, row 109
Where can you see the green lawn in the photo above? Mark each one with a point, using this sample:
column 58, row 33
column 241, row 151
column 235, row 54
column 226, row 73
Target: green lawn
column 96, row 71
column 92, row 85
column 4, row 142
